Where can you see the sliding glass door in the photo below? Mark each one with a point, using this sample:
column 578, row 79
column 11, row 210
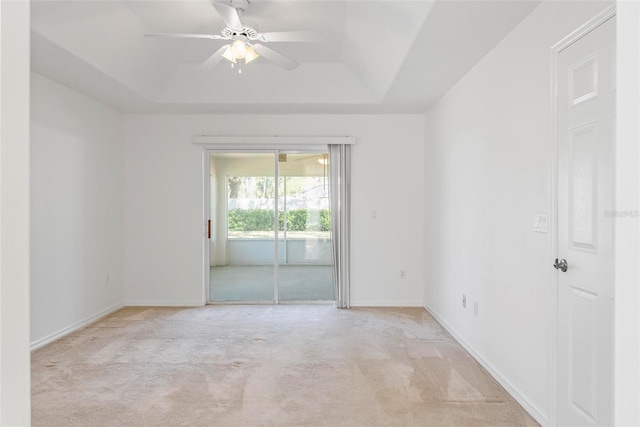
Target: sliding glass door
column 269, row 232
column 305, row 267
column 242, row 220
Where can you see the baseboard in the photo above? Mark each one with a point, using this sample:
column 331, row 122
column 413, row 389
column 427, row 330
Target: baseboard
column 514, row 391
column 74, row 327
column 174, row 303
column 386, row 304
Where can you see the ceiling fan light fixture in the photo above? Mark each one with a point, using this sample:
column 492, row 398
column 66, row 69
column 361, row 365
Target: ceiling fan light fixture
column 228, row 55
column 250, row 55
column 239, row 49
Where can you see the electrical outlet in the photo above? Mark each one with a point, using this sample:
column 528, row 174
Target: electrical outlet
column 464, row 301
column 475, row 308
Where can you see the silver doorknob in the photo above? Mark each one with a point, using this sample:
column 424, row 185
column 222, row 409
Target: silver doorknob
column 560, row 265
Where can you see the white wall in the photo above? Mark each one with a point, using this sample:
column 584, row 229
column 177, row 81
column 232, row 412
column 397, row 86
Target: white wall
column 627, row 292
column 487, row 169
column 15, row 361
column 76, row 209
column 163, row 202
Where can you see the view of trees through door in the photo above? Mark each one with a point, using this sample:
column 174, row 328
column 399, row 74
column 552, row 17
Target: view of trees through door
column 271, row 227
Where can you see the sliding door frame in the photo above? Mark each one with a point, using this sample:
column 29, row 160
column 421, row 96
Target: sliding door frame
column 208, row 151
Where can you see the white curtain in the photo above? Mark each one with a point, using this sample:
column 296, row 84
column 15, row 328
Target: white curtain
column 340, row 194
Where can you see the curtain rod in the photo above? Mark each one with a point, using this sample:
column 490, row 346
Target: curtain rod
column 272, row 139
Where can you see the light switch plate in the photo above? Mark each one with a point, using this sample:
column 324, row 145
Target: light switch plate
column 540, row 222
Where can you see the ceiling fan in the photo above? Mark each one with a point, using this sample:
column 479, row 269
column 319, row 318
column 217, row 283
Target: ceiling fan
column 245, row 42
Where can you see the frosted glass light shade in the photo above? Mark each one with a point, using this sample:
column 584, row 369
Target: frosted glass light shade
column 250, row 55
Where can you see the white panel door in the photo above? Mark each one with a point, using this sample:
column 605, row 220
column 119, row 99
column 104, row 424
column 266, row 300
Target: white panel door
column 586, row 108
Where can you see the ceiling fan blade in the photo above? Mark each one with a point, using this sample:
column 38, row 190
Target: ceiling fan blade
column 275, row 57
column 229, row 15
column 186, row 36
column 213, row 59
column 290, row 36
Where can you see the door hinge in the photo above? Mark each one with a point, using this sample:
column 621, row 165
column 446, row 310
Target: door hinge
column 208, row 229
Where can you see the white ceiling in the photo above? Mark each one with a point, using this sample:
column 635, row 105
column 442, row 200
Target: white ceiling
column 373, row 56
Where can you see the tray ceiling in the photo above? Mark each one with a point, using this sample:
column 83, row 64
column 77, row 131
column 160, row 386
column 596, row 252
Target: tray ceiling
column 371, row 56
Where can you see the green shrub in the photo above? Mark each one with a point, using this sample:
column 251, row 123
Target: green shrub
column 297, row 220
column 325, row 220
column 262, row 220
column 250, row 220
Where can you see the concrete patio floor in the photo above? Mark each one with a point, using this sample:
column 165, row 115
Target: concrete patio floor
column 255, row 283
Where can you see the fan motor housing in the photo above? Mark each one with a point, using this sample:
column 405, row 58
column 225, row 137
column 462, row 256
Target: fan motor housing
column 248, row 32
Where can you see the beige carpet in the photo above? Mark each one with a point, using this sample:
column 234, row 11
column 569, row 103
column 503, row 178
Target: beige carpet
column 265, row 366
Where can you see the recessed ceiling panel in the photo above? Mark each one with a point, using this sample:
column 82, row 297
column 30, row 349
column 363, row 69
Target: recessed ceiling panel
column 370, row 56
